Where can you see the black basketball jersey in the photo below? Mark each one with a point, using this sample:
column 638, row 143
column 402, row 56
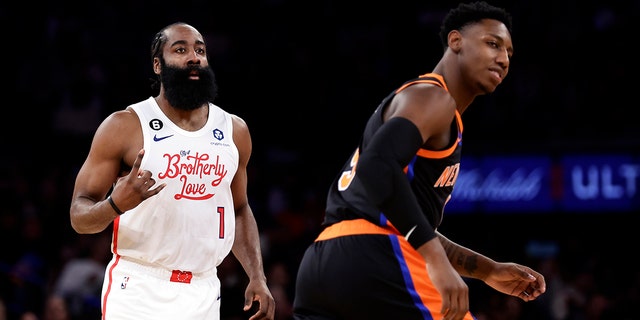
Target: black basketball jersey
column 432, row 174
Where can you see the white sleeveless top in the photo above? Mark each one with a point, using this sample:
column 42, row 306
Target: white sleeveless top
column 190, row 224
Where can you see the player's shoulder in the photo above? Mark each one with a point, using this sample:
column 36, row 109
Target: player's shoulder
column 426, row 95
column 126, row 116
column 240, row 127
column 119, row 122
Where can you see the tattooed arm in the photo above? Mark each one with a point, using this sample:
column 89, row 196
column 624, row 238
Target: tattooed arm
column 506, row 277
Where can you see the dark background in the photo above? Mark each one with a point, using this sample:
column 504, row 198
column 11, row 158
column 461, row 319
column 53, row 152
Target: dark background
column 305, row 76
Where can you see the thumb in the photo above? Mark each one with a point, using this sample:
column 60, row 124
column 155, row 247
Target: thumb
column 526, row 275
column 247, row 304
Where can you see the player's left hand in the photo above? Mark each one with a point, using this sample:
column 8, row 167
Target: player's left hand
column 258, row 297
column 516, row 280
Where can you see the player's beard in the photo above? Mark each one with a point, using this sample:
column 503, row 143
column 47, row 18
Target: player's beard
column 187, row 94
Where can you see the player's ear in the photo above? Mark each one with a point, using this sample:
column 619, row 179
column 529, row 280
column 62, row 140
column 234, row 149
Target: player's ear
column 157, row 65
column 455, row 40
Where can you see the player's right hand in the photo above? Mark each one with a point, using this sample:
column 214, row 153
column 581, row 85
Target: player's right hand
column 453, row 290
column 130, row 190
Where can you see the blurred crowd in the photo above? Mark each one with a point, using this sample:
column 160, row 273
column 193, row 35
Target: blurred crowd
column 303, row 76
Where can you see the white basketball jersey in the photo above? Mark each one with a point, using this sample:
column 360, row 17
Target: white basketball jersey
column 190, row 224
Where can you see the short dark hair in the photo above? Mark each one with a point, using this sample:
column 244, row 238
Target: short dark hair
column 160, row 39
column 157, row 44
column 469, row 13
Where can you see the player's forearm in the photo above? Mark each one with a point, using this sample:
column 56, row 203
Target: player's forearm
column 89, row 216
column 467, row 262
column 388, row 152
column 246, row 246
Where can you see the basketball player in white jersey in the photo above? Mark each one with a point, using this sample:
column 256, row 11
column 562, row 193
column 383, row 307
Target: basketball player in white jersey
column 169, row 174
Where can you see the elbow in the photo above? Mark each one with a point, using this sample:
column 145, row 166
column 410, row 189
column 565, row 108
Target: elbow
column 86, row 220
column 84, row 230
column 75, row 223
column 79, row 227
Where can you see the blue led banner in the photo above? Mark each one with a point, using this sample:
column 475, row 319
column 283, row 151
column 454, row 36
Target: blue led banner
column 602, row 183
column 541, row 184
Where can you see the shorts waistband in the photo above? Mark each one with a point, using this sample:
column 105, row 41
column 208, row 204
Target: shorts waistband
column 352, row 227
column 182, row 276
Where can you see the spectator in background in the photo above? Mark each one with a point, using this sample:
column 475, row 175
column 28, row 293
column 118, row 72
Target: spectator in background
column 279, row 279
column 81, row 278
column 56, row 308
column 3, row 310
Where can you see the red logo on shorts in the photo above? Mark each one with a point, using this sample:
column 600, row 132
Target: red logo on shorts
column 181, row 276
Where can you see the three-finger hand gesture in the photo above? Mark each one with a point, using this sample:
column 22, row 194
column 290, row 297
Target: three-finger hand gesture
column 129, row 191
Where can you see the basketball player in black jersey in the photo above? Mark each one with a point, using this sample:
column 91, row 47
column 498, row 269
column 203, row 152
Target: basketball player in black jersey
column 380, row 255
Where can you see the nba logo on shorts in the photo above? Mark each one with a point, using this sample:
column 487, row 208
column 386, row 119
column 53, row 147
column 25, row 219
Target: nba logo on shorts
column 123, row 285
